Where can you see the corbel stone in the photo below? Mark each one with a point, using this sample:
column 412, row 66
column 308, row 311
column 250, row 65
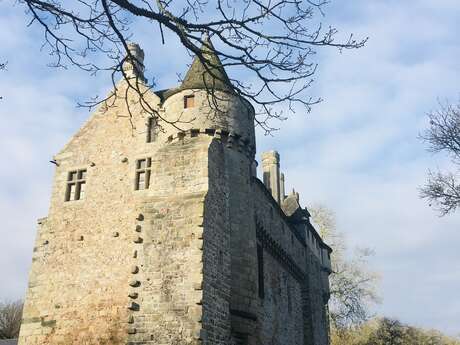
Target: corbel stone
column 133, row 306
column 134, row 283
column 137, row 239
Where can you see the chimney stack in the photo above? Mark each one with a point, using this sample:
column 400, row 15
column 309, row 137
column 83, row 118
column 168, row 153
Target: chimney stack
column 271, row 170
column 134, row 67
column 282, row 191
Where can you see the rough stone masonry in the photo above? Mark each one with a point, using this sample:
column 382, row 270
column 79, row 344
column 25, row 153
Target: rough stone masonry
column 168, row 237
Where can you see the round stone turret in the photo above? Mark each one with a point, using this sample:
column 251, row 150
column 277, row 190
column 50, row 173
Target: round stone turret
column 206, row 100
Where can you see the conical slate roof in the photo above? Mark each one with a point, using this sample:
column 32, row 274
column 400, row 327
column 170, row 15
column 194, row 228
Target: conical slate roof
column 208, row 75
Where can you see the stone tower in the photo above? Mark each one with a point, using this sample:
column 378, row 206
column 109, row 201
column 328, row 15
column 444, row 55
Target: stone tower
column 168, row 236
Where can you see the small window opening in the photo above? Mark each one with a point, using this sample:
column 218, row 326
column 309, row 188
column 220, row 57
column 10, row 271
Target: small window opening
column 189, row 101
column 143, row 167
column 260, row 267
column 221, row 258
column 152, row 129
column 76, row 183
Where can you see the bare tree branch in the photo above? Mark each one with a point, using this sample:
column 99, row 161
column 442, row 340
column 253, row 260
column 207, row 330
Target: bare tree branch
column 2, row 68
column 272, row 42
column 353, row 285
column 443, row 189
column 10, row 319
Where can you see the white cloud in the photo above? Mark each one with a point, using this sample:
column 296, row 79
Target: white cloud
column 357, row 152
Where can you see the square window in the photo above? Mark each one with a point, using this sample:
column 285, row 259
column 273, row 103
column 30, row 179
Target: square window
column 141, row 180
column 72, row 175
column 76, row 182
column 143, row 167
column 189, row 101
column 82, row 189
column 141, row 163
column 72, row 189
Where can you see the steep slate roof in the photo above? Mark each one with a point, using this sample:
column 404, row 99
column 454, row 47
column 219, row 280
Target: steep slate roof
column 210, row 77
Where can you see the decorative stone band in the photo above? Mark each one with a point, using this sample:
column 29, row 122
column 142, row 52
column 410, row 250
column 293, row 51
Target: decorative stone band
column 275, row 249
column 230, row 139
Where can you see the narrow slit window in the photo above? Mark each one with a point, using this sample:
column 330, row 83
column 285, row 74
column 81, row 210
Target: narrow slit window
column 289, row 298
column 189, row 101
column 76, row 182
column 143, row 167
column 152, row 129
column 260, row 267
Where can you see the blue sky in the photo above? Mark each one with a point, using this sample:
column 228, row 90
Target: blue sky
column 356, row 153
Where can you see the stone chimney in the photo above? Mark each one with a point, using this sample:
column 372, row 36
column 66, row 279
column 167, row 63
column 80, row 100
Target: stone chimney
column 271, row 171
column 134, row 67
column 282, row 191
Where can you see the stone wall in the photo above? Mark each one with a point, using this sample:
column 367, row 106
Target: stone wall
column 176, row 263
column 78, row 284
column 293, row 308
column 89, row 254
column 167, row 291
column 216, row 258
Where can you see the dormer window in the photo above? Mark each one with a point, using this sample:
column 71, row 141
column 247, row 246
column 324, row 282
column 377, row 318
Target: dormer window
column 76, row 182
column 152, row 129
column 143, row 167
column 189, row 101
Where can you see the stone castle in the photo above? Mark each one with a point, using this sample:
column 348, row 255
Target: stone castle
column 165, row 235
